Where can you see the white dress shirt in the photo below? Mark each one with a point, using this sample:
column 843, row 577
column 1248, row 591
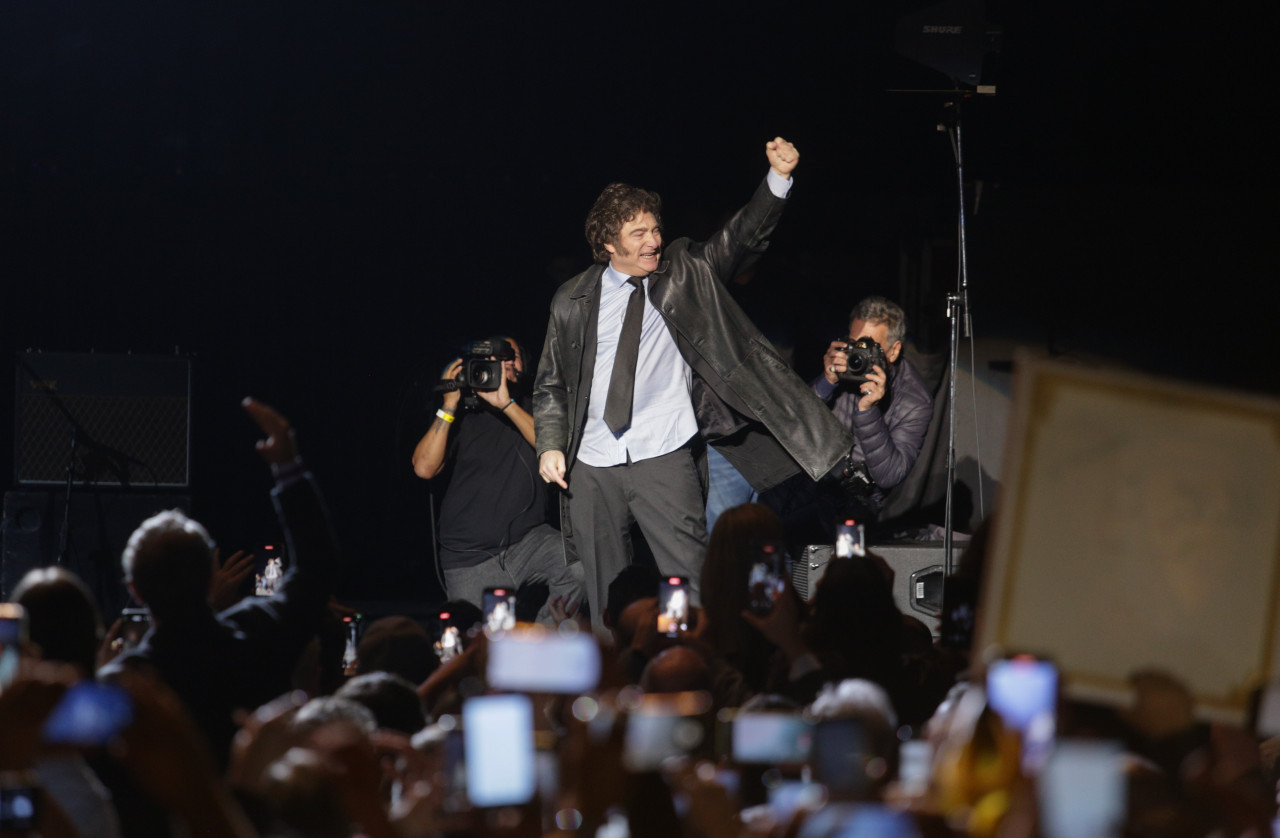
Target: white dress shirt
column 662, row 417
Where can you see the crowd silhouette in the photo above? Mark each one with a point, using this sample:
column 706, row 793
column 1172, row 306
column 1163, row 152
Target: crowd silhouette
column 834, row 716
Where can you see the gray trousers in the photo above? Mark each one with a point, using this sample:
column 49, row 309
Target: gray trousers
column 663, row 495
column 538, row 557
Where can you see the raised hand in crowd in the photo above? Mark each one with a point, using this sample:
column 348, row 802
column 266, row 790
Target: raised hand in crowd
column 226, row 588
column 643, row 616
column 280, row 447
column 264, row 736
column 25, row 704
column 782, row 625
column 449, row 675
column 565, row 608
column 593, row 778
column 709, row 809
column 353, row 771
column 112, row 643
column 697, row 635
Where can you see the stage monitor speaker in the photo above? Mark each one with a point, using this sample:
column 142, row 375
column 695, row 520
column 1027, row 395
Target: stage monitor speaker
column 129, row 416
column 918, row 569
column 101, row 523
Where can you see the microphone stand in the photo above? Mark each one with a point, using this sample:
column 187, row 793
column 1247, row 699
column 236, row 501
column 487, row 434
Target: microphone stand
column 957, row 312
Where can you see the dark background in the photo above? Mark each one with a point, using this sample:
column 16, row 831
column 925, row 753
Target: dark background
column 320, row 201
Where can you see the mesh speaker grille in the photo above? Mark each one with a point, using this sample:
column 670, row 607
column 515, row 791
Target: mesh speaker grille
column 136, row 409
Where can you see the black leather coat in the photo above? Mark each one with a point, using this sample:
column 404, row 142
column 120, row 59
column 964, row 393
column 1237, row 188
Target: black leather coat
column 750, row 405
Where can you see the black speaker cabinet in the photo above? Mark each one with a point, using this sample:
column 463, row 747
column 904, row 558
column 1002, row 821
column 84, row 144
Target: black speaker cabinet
column 128, row 416
column 918, row 567
column 100, row 526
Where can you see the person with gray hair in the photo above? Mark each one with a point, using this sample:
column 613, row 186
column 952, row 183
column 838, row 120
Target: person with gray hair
column 168, row 564
column 880, row 397
column 855, row 698
column 880, row 311
column 885, row 407
column 867, row 704
column 218, row 662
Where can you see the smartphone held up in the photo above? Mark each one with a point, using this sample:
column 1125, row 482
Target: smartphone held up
column 1023, row 690
column 13, row 636
column 499, row 610
column 673, row 605
column 767, row 578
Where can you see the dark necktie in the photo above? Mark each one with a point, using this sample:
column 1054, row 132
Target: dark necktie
column 622, row 383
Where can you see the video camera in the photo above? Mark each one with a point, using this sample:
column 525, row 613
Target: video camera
column 481, row 367
column 481, row 373
column 864, row 353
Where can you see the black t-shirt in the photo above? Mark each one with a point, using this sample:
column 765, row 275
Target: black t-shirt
column 495, row 495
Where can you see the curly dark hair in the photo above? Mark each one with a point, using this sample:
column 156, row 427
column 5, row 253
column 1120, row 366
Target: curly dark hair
column 617, row 204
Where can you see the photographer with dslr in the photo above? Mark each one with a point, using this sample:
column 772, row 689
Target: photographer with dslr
column 493, row 529
column 880, row 398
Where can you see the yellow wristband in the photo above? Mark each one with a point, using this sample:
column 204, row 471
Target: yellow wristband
column 441, row 414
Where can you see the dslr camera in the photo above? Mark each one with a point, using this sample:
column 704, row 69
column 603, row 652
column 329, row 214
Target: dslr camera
column 864, row 353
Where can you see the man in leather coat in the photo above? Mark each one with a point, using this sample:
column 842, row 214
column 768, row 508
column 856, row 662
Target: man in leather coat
column 703, row 368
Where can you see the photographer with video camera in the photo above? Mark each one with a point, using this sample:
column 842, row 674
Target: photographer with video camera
column 493, row 528
column 880, row 397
